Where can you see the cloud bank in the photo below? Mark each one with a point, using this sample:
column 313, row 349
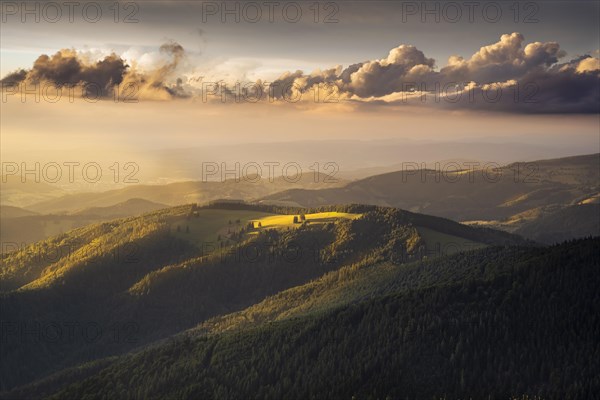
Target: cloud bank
column 509, row 75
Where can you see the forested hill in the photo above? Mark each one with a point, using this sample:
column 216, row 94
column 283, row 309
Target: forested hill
column 522, row 323
column 142, row 279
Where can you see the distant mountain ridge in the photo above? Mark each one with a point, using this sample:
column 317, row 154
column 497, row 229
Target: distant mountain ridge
column 492, row 195
column 21, row 227
column 512, row 198
column 128, row 208
column 244, row 187
column 14, row 212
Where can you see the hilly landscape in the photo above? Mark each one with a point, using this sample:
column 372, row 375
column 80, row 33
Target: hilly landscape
column 229, row 298
column 241, row 187
column 21, row 227
column 360, row 157
column 18, row 193
column 61, row 212
column 475, row 322
column 13, row 212
column 300, row 200
column 530, row 198
column 548, row 201
column 187, row 264
column 435, row 338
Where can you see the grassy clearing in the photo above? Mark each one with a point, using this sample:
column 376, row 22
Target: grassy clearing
column 210, row 225
column 283, row 221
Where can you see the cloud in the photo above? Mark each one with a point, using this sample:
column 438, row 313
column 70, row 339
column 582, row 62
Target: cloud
column 503, row 60
column 69, row 68
column 385, row 76
column 571, row 87
column 366, row 79
column 15, row 78
column 588, row 64
column 509, row 75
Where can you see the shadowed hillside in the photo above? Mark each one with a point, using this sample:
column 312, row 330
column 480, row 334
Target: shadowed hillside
column 500, row 322
column 169, row 270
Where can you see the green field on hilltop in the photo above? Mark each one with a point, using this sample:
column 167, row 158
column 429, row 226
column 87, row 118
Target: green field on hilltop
column 209, row 225
column 283, row 221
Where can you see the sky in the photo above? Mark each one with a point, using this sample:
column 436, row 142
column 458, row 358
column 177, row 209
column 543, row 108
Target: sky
column 355, row 30
column 159, row 74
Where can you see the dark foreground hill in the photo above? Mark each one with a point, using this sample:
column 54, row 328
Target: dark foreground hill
column 107, row 288
column 497, row 323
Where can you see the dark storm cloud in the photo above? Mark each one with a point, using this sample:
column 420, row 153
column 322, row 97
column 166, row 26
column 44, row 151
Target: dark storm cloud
column 14, row 78
column 66, row 68
column 561, row 90
column 70, row 68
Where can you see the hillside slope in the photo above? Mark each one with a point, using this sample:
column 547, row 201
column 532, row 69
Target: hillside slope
column 574, row 221
column 522, row 322
column 149, row 277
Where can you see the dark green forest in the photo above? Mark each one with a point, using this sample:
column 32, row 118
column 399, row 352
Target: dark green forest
column 135, row 281
column 518, row 323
